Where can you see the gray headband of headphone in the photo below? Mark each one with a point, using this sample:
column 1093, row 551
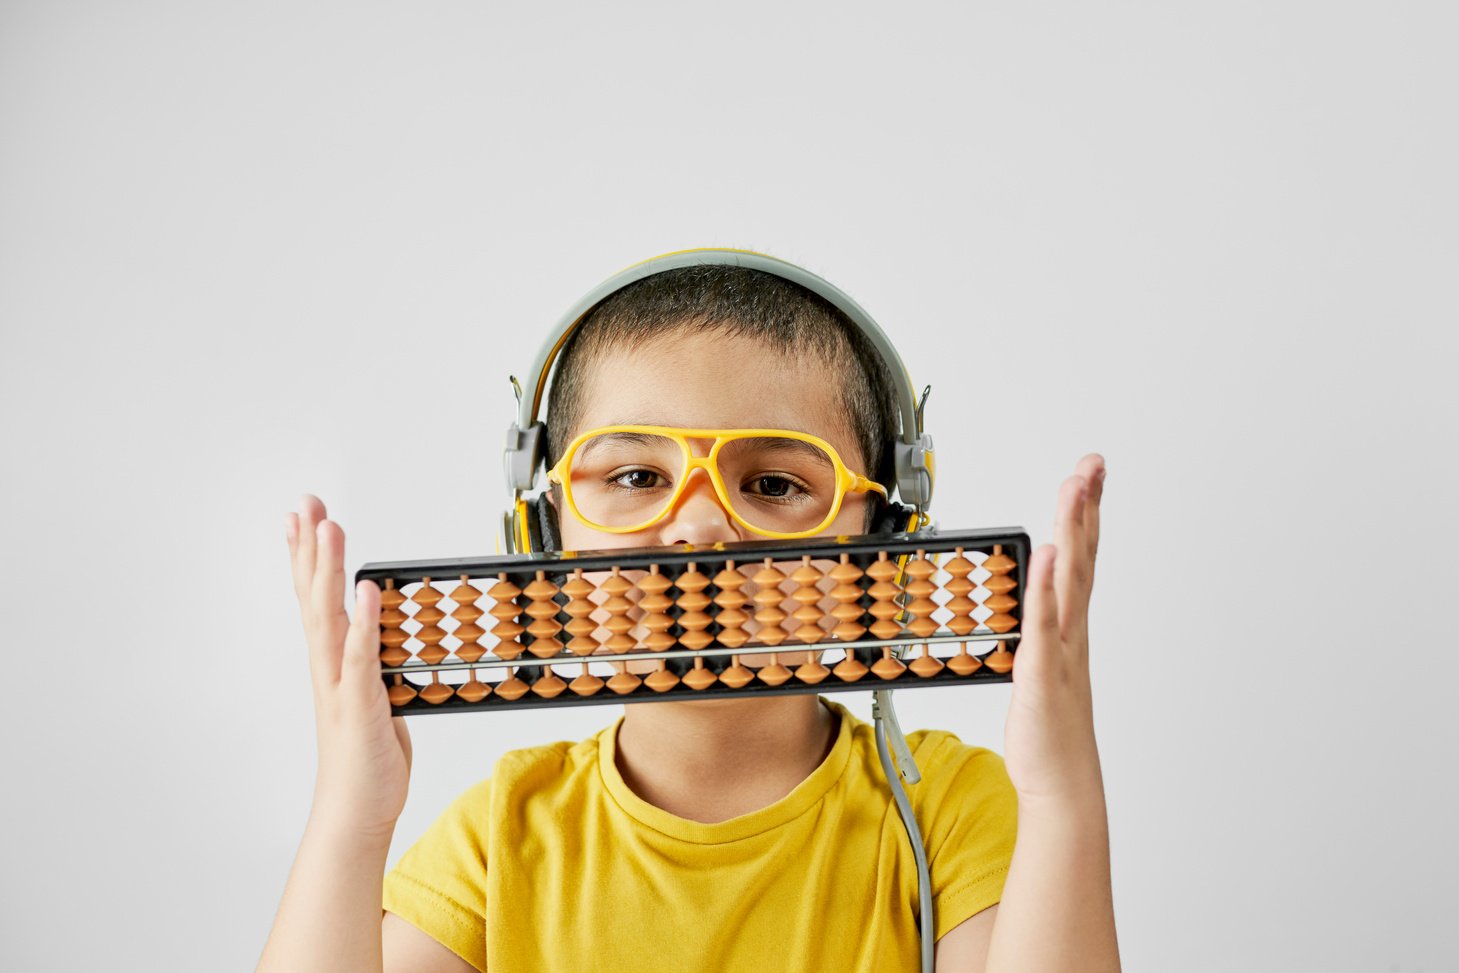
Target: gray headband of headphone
column 527, row 437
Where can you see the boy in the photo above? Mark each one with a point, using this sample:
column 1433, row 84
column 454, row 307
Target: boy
column 715, row 834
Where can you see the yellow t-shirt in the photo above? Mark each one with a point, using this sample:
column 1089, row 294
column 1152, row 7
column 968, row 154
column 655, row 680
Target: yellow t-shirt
column 552, row 863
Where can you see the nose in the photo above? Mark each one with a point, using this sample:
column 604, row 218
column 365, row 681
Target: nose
column 698, row 518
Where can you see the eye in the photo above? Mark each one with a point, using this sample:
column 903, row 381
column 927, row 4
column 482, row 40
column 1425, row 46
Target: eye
column 639, row 479
column 774, row 486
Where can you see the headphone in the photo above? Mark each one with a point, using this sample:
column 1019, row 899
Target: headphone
column 530, row 525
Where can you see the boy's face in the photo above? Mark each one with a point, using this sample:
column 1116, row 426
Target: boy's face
column 708, row 381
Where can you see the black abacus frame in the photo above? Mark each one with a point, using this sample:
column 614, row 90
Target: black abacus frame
column 558, row 565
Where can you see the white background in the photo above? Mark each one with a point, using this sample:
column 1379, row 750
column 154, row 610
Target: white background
column 253, row 250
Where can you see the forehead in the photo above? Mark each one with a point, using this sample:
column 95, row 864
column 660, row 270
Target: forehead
column 708, row 380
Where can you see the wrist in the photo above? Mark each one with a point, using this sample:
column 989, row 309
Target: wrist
column 333, row 825
column 1080, row 807
column 1067, row 779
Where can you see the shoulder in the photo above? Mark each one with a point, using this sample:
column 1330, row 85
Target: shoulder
column 959, row 781
column 962, row 785
column 945, row 753
column 527, row 775
column 545, row 768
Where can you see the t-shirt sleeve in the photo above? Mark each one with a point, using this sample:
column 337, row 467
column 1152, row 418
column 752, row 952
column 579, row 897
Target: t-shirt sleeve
column 439, row 883
column 969, row 811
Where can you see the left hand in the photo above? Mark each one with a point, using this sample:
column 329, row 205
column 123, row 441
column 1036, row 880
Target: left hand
column 1049, row 743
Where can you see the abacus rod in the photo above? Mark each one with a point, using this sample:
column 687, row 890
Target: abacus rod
column 784, row 647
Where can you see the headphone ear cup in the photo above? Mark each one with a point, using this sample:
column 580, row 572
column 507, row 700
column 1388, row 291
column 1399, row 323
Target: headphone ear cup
column 892, row 518
column 542, row 525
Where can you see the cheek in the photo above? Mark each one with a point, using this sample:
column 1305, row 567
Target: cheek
column 851, row 518
column 577, row 536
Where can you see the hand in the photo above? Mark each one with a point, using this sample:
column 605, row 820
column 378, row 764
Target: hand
column 1049, row 738
column 364, row 753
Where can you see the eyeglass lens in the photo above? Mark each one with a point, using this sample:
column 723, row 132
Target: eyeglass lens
column 776, row 483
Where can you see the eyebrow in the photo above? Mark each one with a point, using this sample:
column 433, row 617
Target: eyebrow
column 654, row 421
column 617, row 438
column 788, row 445
column 773, row 443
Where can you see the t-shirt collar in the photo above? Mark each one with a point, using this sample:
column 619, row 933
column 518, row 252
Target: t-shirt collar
column 801, row 798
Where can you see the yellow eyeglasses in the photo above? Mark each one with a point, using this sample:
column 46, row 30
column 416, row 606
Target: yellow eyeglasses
column 773, row 482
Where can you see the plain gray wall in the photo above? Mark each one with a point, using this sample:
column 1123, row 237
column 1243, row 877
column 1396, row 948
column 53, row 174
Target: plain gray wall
column 257, row 249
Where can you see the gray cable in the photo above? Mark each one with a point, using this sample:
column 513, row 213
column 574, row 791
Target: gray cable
column 914, row 835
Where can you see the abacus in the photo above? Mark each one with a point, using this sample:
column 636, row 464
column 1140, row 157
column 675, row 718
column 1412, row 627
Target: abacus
column 681, row 622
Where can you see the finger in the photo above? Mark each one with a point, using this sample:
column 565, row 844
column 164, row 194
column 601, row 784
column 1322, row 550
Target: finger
column 291, row 537
column 318, row 663
column 326, row 597
column 311, row 511
column 1071, row 569
column 1040, row 626
column 1093, row 467
column 360, row 668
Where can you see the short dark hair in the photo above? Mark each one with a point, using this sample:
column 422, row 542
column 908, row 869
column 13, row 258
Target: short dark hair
column 740, row 302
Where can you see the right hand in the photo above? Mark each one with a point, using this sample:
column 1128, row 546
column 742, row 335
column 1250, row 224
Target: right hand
column 364, row 752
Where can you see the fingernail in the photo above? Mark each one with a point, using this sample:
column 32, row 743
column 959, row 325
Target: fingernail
column 1100, row 475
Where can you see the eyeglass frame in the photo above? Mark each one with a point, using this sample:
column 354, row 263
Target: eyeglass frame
column 847, row 481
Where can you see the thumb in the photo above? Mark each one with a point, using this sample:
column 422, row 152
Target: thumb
column 1040, row 626
column 403, row 735
column 360, row 672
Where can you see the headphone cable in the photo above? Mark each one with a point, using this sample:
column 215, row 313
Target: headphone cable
column 925, row 922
